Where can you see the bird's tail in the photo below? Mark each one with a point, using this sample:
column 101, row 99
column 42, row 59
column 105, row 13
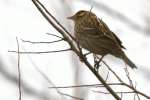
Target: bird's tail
column 129, row 62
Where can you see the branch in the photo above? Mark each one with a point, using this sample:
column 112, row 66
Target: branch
column 42, row 41
column 88, row 85
column 55, row 35
column 19, row 74
column 21, row 52
column 109, row 68
column 124, row 92
column 70, row 96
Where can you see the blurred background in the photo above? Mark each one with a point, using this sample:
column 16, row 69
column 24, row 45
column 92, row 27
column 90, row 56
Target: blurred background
column 129, row 19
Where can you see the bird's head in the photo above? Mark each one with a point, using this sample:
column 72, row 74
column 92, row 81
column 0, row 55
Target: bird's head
column 81, row 15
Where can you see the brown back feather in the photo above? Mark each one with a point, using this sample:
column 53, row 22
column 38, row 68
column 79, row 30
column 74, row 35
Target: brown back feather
column 107, row 32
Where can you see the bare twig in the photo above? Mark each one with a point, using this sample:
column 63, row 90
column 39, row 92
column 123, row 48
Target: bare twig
column 42, row 41
column 137, row 93
column 21, row 52
column 112, row 71
column 70, row 96
column 88, row 85
column 19, row 74
column 125, row 92
column 107, row 76
column 128, row 75
column 121, row 95
column 55, row 35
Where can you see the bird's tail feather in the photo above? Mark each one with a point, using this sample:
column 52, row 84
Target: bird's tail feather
column 129, row 62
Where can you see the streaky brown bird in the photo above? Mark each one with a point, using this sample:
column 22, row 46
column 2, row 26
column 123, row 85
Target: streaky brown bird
column 94, row 35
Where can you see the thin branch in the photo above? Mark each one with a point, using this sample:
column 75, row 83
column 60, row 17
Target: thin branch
column 21, row 52
column 19, row 74
column 90, row 85
column 112, row 71
column 107, row 76
column 137, row 93
column 70, row 96
column 124, row 92
column 121, row 95
column 128, row 76
column 55, row 35
column 42, row 41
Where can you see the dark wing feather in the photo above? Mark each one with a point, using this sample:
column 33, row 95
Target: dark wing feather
column 118, row 40
column 107, row 32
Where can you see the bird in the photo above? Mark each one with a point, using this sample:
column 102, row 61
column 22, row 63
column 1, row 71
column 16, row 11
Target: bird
column 94, row 35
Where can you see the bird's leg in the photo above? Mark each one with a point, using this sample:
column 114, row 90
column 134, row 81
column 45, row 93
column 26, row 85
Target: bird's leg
column 87, row 53
column 82, row 56
column 101, row 58
column 79, row 47
column 97, row 62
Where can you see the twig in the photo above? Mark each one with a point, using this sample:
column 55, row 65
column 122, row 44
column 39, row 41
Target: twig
column 21, row 52
column 128, row 75
column 90, row 85
column 125, row 92
column 42, row 42
column 137, row 93
column 107, row 76
column 121, row 95
column 19, row 74
column 112, row 71
column 70, row 96
column 55, row 35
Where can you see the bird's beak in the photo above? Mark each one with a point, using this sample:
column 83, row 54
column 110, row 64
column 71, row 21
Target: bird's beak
column 71, row 17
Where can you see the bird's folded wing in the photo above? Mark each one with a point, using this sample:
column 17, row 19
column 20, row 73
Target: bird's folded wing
column 105, row 31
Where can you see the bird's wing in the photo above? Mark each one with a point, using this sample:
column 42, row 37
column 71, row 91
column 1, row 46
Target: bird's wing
column 107, row 32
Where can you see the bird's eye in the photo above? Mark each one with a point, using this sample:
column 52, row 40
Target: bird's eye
column 81, row 13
